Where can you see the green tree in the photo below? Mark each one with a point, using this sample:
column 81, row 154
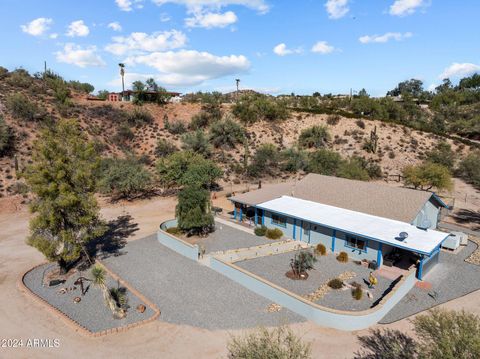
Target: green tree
column 226, row 134
column 124, row 178
column 442, row 154
column 103, row 94
column 277, row 343
column 139, row 88
column 197, row 142
column 181, row 168
column 293, row 160
column 193, row 211
column 353, row 169
column 412, row 87
column 6, row 138
column 314, row 137
column 66, row 214
column 428, row 175
column 469, row 168
column 265, row 161
column 324, row 162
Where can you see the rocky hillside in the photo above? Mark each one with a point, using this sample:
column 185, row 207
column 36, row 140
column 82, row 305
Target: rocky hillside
column 104, row 122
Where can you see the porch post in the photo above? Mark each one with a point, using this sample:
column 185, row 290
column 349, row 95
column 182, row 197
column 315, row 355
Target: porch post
column 294, row 228
column 256, row 216
column 379, row 255
column 301, row 229
column 241, row 212
column 235, row 210
column 420, row 269
column 263, row 217
column 333, row 239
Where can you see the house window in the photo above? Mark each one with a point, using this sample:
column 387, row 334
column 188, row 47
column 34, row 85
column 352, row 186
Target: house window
column 279, row 220
column 356, row 243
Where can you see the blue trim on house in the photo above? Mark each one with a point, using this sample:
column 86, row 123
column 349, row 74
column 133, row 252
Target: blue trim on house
column 420, row 269
column 379, row 254
column 360, row 251
column 256, row 215
column 357, row 234
column 241, row 214
column 263, row 217
column 294, row 228
column 301, row 229
column 434, row 195
column 334, row 236
column 234, row 212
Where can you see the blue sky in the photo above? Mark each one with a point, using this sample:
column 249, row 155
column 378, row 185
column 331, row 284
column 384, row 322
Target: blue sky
column 281, row 46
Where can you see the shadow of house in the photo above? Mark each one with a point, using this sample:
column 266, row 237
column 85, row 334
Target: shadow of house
column 114, row 239
column 464, row 216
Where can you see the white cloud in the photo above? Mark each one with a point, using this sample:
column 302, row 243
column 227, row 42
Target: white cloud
column 53, row 36
column 78, row 28
column 140, row 41
column 115, row 26
column 37, row 27
column 127, row 5
column 190, row 67
column 397, row 36
column 405, row 7
column 210, row 20
column 79, row 56
column 457, row 70
column 282, row 50
column 196, row 5
column 164, row 17
column 322, row 47
column 337, row 9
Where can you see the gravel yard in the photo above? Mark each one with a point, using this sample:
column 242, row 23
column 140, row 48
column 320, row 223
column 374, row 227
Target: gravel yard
column 91, row 312
column 189, row 293
column 227, row 238
column 273, row 269
column 451, row 278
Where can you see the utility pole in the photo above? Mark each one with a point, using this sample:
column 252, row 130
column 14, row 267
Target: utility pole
column 122, row 73
column 238, row 82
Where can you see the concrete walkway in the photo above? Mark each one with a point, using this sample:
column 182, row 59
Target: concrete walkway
column 259, row 251
column 234, row 225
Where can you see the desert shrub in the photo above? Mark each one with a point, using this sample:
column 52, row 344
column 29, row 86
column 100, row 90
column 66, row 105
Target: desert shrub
column 19, row 78
column 324, row 162
column 360, row 124
column 84, row 87
column 320, row 249
column 176, row 127
column 199, row 120
column 333, row 120
column 293, row 160
column 260, row 231
column 342, row 257
column 273, row 233
column 21, row 107
column 469, row 168
column 174, row 230
column 442, row 154
column 119, row 295
column 391, row 155
column 138, row 117
column 6, row 138
column 353, row 169
column 357, row 293
column 314, row 137
column 197, row 142
column 123, row 135
column 164, row 148
column 226, row 133
column 252, row 108
column 123, row 178
column 335, row 283
column 387, row 344
column 3, row 72
column 265, row 161
column 277, row 343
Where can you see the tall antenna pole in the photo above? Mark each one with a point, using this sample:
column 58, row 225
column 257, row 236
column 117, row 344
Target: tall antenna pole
column 238, row 82
column 122, row 73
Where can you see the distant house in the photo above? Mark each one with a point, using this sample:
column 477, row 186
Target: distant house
column 373, row 222
column 129, row 95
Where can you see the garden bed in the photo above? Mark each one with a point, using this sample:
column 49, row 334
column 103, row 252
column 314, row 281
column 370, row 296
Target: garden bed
column 90, row 312
column 273, row 269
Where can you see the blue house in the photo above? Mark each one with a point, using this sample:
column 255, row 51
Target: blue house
column 377, row 223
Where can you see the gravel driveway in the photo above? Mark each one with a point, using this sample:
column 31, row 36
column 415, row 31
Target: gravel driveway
column 189, row 293
column 451, row 278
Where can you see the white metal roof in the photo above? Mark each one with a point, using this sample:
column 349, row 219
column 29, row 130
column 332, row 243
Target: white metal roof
column 377, row 228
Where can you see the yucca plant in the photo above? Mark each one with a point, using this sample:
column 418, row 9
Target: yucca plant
column 99, row 280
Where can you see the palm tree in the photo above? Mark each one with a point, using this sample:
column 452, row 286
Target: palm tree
column 99, row 280
column 122, row 73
